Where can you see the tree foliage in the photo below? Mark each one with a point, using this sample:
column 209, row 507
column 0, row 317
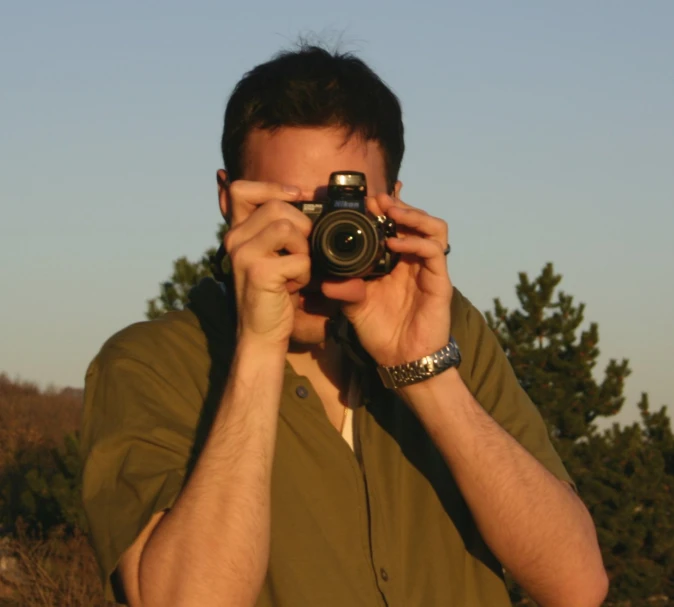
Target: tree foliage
column 624, row 474
column 41, row 488
column 173, row 293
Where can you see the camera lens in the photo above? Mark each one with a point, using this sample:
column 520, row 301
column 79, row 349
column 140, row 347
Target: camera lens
column 346, row 241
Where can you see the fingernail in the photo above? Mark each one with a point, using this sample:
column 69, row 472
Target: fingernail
column 291, row 189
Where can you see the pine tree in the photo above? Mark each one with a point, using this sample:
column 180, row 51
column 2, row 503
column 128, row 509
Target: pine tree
column 633, row 505
column 625, row 474
column 554, row 359
column 174, row 293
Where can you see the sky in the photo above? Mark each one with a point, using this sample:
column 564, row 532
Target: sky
column 539, row 132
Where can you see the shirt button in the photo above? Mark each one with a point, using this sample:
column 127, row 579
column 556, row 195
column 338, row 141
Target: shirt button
column 384, row 574
column 301, row 391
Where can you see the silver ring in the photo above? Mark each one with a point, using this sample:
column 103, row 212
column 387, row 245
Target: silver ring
column 447, row 250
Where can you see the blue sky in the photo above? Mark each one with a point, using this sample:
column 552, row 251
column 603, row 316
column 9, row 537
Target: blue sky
column 539, row 132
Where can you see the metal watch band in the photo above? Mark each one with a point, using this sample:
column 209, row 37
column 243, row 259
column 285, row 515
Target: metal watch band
column 414, row 372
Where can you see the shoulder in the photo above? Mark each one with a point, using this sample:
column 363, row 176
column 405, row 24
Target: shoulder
column 175, row 339
column 156, row 371
column 152, row 370
column 469, row 326
column 155, row 341
column 462, row 309
column 484, row 366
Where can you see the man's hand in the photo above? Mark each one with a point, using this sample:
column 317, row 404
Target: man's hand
column 178, row 559
column 404, row 315
column 267, row 282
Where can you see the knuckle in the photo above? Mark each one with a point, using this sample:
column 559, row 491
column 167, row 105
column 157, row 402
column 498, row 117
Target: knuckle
column 306, row 265
column 237, row 257
column 439, row 226
column 284, row 226
column 299, row 220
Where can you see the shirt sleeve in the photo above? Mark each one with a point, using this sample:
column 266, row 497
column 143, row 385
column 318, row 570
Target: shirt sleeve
column 137, row 434
column 489, row 376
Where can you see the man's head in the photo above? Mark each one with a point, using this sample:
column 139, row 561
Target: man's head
column 312, row 88
column 301, row 116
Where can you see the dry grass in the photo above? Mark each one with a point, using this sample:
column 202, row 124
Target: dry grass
column 55, row 572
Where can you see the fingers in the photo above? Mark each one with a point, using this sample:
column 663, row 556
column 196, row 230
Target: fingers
column 263, row 225
column 245, row 196
column 348, row 291
column 295, row 271
column 427, row 249
column 372, row 204
column 279, row 235
column 258, row 258
column 269, row 213
column 416, row 220
column 290, row 272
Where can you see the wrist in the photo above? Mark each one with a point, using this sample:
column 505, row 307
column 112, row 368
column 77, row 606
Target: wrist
column 429, row 397
column 256, row 359
column 256, row 344
column 421, row 369
column 252, row 394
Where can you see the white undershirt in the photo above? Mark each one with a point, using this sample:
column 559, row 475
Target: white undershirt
column 353, row 401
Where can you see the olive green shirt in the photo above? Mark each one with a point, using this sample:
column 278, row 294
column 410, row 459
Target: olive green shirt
column 387, row 528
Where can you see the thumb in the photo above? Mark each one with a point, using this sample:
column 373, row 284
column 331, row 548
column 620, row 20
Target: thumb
column 350, row 291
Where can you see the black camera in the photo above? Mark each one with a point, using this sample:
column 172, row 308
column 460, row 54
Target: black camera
column 347, row 241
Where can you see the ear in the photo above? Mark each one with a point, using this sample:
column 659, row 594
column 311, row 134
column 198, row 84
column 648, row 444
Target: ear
column 223, row 194
column 396, row 189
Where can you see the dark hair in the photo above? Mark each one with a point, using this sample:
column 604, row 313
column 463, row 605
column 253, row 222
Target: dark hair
column 312, row 87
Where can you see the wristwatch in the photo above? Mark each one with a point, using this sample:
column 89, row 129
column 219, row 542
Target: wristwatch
column 406, row 374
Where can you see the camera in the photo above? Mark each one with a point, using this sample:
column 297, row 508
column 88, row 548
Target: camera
column 346, row 240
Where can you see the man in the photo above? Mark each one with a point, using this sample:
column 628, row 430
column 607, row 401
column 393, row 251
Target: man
column 245, row 451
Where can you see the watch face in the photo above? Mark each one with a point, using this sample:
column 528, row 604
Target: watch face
column 426, row 365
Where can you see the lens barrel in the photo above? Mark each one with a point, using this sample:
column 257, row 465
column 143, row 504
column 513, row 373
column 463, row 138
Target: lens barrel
column 345, row 243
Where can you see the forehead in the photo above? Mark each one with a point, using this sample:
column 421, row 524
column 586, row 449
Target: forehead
column 305, row 157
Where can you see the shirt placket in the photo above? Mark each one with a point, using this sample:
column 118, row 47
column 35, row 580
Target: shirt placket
column 379, row 551
column 374, row 596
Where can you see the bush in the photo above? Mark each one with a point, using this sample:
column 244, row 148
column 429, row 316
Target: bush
column 39, row 460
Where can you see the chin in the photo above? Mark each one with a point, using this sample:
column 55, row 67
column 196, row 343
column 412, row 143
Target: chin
column 309, row 329
column 311, row 316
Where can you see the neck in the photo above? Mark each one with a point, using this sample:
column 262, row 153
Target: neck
column 319, row 362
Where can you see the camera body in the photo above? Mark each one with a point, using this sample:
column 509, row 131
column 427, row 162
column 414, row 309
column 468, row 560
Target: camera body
column 347, row 241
